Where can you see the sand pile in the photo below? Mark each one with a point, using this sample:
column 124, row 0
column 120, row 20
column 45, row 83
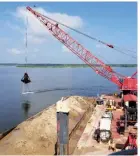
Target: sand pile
column 37, row 135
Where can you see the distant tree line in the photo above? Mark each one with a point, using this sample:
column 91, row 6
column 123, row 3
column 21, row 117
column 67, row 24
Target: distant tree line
column 65, row 65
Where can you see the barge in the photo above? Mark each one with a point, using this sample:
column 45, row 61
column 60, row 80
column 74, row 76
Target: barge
column 38, row 134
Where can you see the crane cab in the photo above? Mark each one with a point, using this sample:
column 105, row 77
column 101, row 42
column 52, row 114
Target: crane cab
column 129, row 84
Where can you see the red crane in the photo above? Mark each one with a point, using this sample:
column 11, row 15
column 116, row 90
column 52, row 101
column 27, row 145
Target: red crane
column 124, row 83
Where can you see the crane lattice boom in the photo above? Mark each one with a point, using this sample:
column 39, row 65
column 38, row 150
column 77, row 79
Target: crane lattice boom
column 97, row 65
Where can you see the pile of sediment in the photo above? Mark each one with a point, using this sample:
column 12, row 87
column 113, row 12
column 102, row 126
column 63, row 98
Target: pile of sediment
column 38, row 134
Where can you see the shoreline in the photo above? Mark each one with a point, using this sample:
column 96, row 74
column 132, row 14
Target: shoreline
column 65, row 65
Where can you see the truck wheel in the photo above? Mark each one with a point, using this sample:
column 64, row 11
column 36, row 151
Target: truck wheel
column 105, row 136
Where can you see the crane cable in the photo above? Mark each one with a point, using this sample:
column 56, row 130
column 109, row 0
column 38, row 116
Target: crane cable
column 93, row 38
column 80, row 33
column 131, row 51
column 26, row 78
column 77, row 32
column 26, row 43
column 84, row 35
column 23, row 79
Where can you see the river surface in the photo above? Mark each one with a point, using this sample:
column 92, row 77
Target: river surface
column 50, row 84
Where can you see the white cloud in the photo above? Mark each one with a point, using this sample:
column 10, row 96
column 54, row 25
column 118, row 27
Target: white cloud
column 100, row 46
column 35, row 39
column 3, row 40
column 36, row 31
column 65, row 49
column 14, row 51
column 34, row 55
column 36, row 50
column 14, row 27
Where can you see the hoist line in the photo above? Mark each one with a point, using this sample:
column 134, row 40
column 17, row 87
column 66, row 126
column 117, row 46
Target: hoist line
column 26, row 43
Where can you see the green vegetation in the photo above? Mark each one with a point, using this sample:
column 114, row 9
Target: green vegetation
column 54, row 65
column 8, row 64
column 63, row 65
column 71, row 65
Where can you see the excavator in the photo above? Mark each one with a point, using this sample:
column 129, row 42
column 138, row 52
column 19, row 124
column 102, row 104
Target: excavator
column 127, row 85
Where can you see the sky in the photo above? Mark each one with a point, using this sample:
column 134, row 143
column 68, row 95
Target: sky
column 112, row 22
